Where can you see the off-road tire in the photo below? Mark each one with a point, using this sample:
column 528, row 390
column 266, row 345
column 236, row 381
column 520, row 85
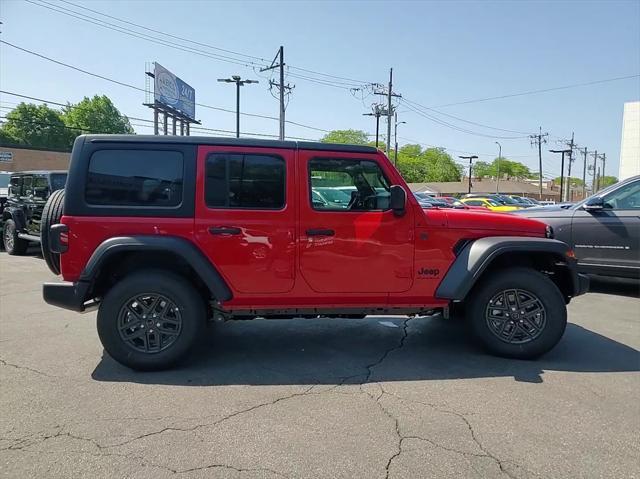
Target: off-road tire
column 12, row 244
column 536, row 287
column 51, row 214
column 178, row 291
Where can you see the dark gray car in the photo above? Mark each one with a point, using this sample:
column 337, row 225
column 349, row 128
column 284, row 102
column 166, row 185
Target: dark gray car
column 603, row 230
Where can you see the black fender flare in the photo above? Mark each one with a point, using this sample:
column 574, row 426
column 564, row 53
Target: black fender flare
column 172, row 244
column 15, row 214
column 476, row 256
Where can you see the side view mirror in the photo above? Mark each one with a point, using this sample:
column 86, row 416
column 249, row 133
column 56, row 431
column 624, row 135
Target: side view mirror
column 398, row 200
column 594, row 204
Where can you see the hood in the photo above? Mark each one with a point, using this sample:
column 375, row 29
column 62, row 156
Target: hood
column 487, row 220
column 554, row 211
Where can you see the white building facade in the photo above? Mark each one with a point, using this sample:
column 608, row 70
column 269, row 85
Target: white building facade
column 630, row 145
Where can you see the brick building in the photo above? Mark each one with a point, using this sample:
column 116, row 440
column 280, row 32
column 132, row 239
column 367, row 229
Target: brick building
column 24, row 158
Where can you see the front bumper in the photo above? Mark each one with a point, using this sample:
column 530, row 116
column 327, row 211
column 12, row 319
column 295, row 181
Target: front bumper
column 67, row 295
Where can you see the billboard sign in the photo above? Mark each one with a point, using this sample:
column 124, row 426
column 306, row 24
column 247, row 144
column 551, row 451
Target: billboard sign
column 171, row 91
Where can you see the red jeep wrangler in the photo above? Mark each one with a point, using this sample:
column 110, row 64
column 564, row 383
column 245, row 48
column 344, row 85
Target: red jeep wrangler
column 164, row 233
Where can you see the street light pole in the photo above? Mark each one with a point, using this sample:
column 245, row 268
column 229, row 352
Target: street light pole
column 499, row 158
column 236, row 79
column 470, row 158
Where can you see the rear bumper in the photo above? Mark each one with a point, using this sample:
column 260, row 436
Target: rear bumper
column 67, row 295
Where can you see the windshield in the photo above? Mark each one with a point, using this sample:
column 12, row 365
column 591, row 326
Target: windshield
column 508, row 201
column 4, row 180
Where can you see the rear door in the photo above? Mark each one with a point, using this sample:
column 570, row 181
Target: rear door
column 245, row 216
column 360, row 246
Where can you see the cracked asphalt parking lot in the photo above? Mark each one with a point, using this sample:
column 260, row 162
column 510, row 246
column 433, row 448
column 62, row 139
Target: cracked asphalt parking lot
column 375, row 398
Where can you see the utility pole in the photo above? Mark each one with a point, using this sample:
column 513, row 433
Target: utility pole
column 470, row 158
column 594, row 179
column 539, row 139
column 604, row 159
column 561, row 171
column 395, row 137
column 390, row 110
column 281, row 86
column 571, row 159
column 499, row 159
column 235, row 79
column 598, row 180
column 377, row 112
column 584, row 174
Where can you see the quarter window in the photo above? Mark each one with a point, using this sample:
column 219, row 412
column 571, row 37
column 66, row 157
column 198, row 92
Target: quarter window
column 347, row 185
column 135, row 178
column 245, row 181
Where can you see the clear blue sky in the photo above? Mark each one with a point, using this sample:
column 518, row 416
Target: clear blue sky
column 441, row 52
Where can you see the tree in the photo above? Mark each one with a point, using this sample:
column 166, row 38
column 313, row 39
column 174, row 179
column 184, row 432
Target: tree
column 607, row 181
column 37, row 125
column 505, row 168
column 349, row 137
column 572, row 180
column 96, row 115
column 6, row 138
column 433, row 164
column 441, row 166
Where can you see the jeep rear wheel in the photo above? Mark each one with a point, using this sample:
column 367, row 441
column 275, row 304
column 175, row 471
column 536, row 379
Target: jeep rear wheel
column 150, row 320
column 12, row 244
column 518, row 313
column 51, row 214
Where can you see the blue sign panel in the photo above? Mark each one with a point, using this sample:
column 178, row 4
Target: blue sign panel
column 173, row 92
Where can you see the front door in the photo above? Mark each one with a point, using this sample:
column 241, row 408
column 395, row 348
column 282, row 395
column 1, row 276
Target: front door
column 245, row 216
column 610, row 237
column 350, row 241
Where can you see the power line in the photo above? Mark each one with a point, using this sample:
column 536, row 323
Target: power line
column 124, row 116
column 102, row 77
column 544, row 90
column 164, row 33
column 418, row 105
column 133, row 33
column 455, row 127
column 163, row 41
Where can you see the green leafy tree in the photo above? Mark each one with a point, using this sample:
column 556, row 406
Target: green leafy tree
column 607, row 181
column 6, row 138
column 349, row 137
column 96, row 115
column 572, row 180
column 37, row 125
column 441, row 166
column 505, row 168
column 433, row 164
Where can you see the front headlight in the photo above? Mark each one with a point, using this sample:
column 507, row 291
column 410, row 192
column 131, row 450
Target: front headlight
column 548, row 231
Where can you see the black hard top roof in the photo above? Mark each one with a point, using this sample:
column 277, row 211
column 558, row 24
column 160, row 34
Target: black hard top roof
column 209, row 140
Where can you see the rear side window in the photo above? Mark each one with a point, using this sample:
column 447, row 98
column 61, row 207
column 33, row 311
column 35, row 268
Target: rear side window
column 245, row 181
column 135, row 178
column 474, row 203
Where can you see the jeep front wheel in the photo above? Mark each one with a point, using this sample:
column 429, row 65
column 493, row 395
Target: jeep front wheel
column 12, row 244
column 150, row 320
column 518, row 313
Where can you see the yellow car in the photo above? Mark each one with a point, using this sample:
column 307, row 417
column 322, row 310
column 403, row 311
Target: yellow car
column 488, row 203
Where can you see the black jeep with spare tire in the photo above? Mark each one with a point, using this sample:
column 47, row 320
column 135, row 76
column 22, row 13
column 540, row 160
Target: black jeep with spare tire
column 26, row 212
